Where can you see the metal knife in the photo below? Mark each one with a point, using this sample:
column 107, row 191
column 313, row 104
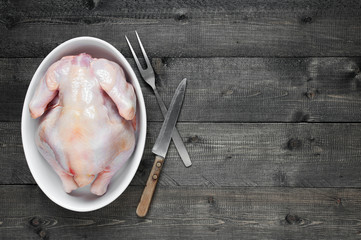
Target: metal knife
column 160, row 148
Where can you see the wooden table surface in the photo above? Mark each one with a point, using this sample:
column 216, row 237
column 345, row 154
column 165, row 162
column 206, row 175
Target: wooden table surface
column 271, row 118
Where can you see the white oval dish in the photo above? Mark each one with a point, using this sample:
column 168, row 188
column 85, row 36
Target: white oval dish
column 81, row 200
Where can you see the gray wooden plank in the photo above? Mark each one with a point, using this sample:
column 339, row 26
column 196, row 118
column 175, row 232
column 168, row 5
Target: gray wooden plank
column 182, row 28
column 184, row 213
column 224, row 154
column 230, row 89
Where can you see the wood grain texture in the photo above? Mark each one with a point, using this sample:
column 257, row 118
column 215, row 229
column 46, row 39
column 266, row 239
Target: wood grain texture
column 293, row 155
column 178, row 213
column 230, row 89
column 271, row 118
column 185, row 28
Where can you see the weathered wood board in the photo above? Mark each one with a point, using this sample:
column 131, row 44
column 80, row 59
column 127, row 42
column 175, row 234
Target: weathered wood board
column 183, row 212
column 271, row 118
column 230, row 89
column 187, row 28
column 226, row 154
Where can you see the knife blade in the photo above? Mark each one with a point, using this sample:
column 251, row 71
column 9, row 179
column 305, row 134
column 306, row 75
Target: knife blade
column 161, row 145
column 160, row 148
column 177, row 139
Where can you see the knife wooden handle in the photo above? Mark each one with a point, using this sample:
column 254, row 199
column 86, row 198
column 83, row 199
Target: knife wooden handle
column 147, row 195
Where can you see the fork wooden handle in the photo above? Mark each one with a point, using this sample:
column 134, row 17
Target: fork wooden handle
column 147, row 195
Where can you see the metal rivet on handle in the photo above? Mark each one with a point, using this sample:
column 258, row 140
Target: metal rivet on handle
column 159, row 164
column 155, row 176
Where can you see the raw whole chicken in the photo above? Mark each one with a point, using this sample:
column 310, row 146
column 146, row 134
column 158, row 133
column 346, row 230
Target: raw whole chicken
column 87, row 124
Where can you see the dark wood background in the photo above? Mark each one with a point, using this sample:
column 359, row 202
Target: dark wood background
column 271, row 118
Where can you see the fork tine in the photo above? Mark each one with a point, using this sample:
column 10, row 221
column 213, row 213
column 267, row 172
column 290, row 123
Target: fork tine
column 143, row 51
column 135, row 56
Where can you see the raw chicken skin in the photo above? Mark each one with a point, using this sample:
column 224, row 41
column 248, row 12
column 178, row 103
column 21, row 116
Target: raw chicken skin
column 86, row 129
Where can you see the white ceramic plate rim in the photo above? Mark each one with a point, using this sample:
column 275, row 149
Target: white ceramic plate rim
column 137, row 156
